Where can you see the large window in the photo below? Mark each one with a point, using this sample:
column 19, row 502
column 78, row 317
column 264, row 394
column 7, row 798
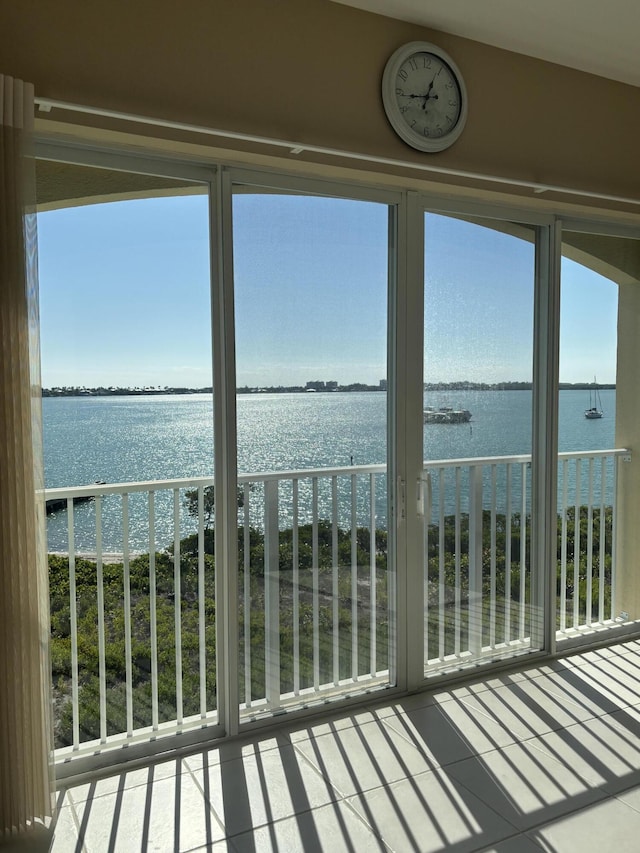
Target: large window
column 592, row 268
column 306, row 447
column 128, row 423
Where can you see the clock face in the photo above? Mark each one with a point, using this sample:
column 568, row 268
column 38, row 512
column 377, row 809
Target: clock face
column 424, row 96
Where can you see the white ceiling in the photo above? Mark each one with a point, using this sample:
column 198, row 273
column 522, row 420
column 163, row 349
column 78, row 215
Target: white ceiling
column 598, row 36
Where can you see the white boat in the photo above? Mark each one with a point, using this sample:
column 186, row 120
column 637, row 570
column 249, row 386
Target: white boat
column 446, row 415
column 594, row 412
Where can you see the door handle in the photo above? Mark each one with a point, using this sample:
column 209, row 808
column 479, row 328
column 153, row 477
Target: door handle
column 423, row 494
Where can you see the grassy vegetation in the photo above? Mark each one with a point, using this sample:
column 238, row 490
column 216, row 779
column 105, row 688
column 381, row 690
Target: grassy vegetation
column 166, row 593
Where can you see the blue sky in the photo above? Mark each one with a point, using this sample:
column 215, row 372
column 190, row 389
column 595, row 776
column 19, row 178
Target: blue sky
column 125, row 296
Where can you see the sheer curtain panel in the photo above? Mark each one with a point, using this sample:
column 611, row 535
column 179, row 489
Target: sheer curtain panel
column 26, row 781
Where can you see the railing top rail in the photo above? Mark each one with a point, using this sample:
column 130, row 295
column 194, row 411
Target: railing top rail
column 305, row 473
column 576, row 454
column 193, row 482
column 126, row 488
column 473, row 461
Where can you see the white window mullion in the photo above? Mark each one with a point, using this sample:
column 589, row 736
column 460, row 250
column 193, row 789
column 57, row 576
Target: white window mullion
column 545, row 437
column 224, row 419
column 409, row 401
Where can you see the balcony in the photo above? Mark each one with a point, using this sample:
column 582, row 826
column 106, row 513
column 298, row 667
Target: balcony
column 134, row 639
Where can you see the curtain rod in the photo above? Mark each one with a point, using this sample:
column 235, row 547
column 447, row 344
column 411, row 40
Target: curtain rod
column 45, row 105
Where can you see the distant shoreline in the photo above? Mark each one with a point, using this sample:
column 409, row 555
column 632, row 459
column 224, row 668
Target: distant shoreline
column 299, row 389
column 107, row 557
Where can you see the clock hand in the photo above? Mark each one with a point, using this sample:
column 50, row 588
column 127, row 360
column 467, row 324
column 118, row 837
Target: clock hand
column 429, row 96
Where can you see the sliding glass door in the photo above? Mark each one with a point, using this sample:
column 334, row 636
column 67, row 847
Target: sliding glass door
column 478, row 405
column 315, row 571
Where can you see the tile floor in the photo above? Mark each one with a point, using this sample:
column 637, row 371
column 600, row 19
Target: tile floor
column 546, row 758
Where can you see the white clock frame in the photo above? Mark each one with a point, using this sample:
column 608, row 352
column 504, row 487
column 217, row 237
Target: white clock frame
column 392, row 107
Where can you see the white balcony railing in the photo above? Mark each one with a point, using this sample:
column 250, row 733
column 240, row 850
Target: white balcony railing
column 133, row 627
column 479, row 600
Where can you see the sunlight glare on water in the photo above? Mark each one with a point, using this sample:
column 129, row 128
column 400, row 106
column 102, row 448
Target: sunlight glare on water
column 128, row 439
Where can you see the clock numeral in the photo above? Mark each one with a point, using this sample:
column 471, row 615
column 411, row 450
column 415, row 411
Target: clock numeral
column 453, row 103
column 426, row 62
column 413, row 122
column 404, row 109
column 448, row 85
column 449, row 120
column 403, row 75
column 400, row 92
column 413, row 65
column 426, row 132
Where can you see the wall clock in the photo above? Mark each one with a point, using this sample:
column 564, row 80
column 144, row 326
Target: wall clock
column 424, row 96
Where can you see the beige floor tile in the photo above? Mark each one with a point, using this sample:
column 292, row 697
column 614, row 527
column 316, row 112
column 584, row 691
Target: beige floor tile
column 367, row 756
column 527, row 709
column 127, row 779
column 417, row 700
column 270, row 786
column 489, row 683
column 620, row 687
column 450, row 732
column 631, row 795
column 517, row 844
column 167, row 816
column 597, row 751
column 216, row 847
column 560, row 697
column 592, row 655
column 606, row 826
column 65, row 830
column 430, row 812
column 524, row 785
column 551, row 668
column 570, row 686
column 627, row 722
column 627, row 668
column 347, row 721
column 234, row 750
column 631, row 647
column 331, row 829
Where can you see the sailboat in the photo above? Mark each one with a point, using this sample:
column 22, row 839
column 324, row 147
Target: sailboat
column 595, row 404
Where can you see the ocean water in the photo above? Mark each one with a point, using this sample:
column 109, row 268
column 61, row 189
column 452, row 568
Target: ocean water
column 124, row 439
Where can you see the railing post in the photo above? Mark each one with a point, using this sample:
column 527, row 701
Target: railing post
column 475, row 560
column 73, row 616
column 246, row 598
column 271, row 593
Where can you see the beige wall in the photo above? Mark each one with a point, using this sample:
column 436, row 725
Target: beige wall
column 628, row 435
column 616, row 258
column 310, row 71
